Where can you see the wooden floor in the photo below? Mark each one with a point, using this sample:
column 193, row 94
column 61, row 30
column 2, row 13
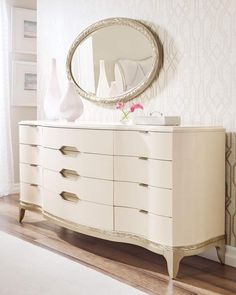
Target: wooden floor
column 130, row 264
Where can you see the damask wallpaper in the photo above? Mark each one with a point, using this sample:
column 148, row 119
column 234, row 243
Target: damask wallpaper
column 198, row 79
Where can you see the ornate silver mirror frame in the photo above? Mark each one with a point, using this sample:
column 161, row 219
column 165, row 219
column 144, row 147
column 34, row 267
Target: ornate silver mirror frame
column 157, row 53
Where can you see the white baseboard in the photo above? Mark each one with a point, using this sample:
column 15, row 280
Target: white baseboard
column 15, row 189
column 230, row 255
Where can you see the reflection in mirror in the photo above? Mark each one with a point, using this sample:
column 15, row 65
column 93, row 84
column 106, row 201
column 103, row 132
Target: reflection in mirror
column 113, row 60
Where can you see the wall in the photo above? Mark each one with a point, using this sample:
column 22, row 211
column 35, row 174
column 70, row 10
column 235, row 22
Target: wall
column 19, row 113
column 198, row 80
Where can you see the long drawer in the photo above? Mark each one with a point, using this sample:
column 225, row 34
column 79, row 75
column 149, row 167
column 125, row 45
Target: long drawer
column 152, row 227
column 88, row 165
column 155, row 145
column 80, row 212
column 30, row 194
column 147, row 171
column 30, row 174
column 88, row 189
column 30, row 134
column 152, row 199
column 84, row 140
column 30, row 154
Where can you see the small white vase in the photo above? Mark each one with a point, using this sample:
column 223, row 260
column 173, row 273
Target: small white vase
column 71, row 106
column 53, row 95
column 103, row 88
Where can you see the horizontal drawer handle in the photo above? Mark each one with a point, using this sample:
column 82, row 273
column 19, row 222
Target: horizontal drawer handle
column 33, row 184
column 33, row 145
column 143, row 211
column 143, row 184
column 69, row 173
column 70, row 197
column 69, row 151
column 33, row 165
column 143, row 158
column 143, row 131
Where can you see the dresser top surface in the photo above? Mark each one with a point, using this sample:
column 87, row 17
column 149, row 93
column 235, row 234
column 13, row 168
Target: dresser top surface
column 120, row 126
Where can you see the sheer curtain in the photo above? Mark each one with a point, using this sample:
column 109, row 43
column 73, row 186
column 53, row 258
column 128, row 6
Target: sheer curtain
column 6, row 170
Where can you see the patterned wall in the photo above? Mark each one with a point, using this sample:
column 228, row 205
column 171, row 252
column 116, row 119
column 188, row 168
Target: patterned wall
column 198, row 79
column 231, row 188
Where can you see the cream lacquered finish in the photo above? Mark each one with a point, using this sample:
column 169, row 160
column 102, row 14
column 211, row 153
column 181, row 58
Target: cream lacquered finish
column 30, row 164
column 149, row 198
column 86, row 213
column 155, row 145
column 83, row 140
column 88, row 165
column 161, row 188
column 30, row 154
column 31, row 193
column 150, row 226
column 141, row 170
column 31, row 174
column 88, row 189
column 30, row 134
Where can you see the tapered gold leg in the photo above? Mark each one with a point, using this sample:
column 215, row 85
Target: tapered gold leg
column 173, row 260
column 220, row 250
column 21, row 214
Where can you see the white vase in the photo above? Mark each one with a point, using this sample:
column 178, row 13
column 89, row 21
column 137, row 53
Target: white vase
column 53, row 95
column 113, row 89
column 71, row 106
column 103, row 88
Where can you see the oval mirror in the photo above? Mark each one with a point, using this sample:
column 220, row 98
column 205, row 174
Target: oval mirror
column 114, row 60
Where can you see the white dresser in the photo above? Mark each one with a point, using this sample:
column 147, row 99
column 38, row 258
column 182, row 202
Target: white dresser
column 158, row 187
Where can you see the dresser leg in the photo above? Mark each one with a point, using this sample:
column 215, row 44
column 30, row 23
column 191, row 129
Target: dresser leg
column 173, row 260
column 21, row 214
column 220, row 250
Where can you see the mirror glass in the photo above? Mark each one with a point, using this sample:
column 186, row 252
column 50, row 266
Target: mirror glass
column 114, row 60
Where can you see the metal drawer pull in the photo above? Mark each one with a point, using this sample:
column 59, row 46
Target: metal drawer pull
column 69, row 197
column 33, row 165
column 143, row 211
column 143, row 158
column 69, row 173
column 69, row 151
column 33, row 184
column 33, row 145
column 143, row 184
column 143, row 131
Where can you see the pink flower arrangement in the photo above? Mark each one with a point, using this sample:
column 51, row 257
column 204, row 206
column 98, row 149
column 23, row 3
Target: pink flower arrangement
column 133, row 107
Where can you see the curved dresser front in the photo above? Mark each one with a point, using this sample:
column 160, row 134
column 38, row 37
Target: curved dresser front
column 161, row 188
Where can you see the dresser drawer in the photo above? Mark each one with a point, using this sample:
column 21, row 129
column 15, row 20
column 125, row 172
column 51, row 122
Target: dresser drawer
column 88, row 189
column 84, row 140
column 30, row 154
column 30, row 134
column 88, row 165
column 30, row 174
column 152, row 227
column 80, row 212
column 152, row 199
column 30, row 194
column 152, row 172
column 154, row 145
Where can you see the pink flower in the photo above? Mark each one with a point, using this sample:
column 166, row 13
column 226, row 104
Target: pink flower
column 120, row 105
column 135, row 107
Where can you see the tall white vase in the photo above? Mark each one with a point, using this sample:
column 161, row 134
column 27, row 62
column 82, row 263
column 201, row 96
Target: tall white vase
column 53, row 95
column 71, row 106
column 103, row 88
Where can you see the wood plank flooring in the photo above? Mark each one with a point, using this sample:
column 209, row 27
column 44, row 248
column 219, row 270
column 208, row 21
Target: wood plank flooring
column 130, row 264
